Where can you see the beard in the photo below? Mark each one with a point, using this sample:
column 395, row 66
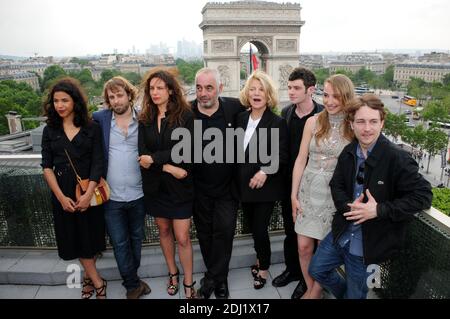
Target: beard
column 207, row 105
column 210, row 103
column 119, row 110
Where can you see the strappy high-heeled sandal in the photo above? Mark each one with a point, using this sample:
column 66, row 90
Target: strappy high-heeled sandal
column 193, row 291
column 259, row 282
column 87, row 293
column 101, row 291
column 254, row 270
column 172, row 288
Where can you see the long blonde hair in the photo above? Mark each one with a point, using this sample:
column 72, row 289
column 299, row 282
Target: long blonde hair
column 345, row 91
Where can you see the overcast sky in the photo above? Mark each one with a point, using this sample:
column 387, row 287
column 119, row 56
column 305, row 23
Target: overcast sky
column 81, row 27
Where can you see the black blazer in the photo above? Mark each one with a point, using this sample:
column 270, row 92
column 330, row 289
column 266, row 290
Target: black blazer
column 159, row 147
column 274, row 187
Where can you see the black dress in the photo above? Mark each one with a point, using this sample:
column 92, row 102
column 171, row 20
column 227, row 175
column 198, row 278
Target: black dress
column 79, row 234
column 164, row 195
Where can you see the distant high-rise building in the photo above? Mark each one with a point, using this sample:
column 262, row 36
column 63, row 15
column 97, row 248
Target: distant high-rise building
column 189, row 49
column 157, row 49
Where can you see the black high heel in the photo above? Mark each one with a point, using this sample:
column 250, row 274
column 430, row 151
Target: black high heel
column 254, row 270
column 172, row 288
column 101, row 291
column 193, row 291
column 259, row 282
column 87, row 294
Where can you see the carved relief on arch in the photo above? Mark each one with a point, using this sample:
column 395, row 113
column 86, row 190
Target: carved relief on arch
column 222, row 46
column 285, row 71
column 225, row 77
column 287, row 45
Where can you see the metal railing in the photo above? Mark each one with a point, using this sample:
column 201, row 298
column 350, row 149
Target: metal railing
column 26, row 218
column 422, row 270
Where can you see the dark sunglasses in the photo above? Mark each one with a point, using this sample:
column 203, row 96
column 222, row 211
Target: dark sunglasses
column 360, row 174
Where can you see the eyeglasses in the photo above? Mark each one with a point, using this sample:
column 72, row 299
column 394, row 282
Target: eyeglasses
column 360, row 174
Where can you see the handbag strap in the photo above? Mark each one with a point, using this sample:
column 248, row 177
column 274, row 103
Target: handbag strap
column 73, row 167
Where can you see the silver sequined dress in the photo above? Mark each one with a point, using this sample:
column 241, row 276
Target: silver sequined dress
column 314, row 193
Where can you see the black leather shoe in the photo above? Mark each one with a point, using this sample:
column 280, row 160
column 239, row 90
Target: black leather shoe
column 221, row 290
column 206, row 288
column 300, row 290
column 285, row 278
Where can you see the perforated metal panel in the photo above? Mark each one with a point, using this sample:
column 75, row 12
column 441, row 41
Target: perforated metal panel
column 422, row 270
column 26, row 214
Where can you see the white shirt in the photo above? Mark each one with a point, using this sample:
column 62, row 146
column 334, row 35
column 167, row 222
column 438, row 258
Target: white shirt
column 251, row 126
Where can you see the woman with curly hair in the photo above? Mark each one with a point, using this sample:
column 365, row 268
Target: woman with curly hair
column 71, row 135
column 168, row 186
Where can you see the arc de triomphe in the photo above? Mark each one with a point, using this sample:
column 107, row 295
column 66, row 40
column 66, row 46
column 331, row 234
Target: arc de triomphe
column 273, row 28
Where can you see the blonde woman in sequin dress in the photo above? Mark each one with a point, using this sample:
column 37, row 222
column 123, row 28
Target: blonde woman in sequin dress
column 324, row 137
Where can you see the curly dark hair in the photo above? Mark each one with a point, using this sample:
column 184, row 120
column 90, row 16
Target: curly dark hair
column 177, row 105
column 300, row 73
column 73, row 88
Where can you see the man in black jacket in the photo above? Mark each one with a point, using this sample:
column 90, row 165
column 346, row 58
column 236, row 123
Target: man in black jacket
column 377, row 189
column 301, row 87
column 215, row 205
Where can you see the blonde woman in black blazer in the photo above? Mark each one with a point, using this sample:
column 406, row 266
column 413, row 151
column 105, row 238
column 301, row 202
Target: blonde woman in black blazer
column 259, row 187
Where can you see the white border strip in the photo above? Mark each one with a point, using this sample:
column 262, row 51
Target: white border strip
column 20, row 156
column 438, row 216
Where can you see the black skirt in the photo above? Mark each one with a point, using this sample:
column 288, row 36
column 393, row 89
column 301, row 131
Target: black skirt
column 162, row 205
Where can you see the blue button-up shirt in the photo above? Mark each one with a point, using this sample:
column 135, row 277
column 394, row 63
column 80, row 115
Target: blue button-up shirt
column 124, row 176
column 353, row 234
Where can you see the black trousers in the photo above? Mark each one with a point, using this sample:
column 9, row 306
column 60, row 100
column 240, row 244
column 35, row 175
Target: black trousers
column 290, row 245
column 258, row 215
column 215, row 221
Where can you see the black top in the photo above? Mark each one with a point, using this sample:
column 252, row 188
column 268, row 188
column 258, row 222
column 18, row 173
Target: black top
column 85, row 150
column 296, row 126
column 214, row 179
column 393, row 178
column 274, row 187
column 159, row 146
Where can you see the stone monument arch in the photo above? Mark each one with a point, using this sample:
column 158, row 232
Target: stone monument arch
column 274, row 28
